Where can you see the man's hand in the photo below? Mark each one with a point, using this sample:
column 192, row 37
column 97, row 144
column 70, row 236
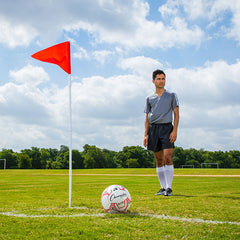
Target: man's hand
column 173, row 136
column 145, row 141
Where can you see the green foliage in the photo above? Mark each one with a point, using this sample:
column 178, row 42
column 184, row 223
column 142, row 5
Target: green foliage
column 24, row 161
column 11, row 158
column 132, row 163
column 129, row 157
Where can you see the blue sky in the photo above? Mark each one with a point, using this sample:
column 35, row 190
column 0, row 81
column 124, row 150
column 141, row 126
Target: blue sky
column 115, row 46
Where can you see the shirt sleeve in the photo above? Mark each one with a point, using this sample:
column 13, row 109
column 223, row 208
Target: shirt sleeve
column 175, row 102
column 147, row 106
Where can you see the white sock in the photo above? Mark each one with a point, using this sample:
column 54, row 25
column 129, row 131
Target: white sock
column 169, row 170
column 161, row 176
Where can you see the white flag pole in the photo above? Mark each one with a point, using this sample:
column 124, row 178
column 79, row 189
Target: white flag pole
column 70, row 141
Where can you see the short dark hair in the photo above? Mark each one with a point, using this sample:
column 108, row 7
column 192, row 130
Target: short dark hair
column 156, row 72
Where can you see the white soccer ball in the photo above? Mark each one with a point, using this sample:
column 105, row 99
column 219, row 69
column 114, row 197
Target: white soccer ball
column 116, row 199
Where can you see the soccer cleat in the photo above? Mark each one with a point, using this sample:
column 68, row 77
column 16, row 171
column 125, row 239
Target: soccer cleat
column 161, row 191
column 168, row 192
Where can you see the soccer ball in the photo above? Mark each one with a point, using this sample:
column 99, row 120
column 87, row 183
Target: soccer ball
column 116, row 199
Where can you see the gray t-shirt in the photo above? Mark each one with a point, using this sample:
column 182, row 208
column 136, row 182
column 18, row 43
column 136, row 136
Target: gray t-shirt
column 160, row 109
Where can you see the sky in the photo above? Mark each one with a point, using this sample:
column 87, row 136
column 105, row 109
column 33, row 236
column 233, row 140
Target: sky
column 115, row 47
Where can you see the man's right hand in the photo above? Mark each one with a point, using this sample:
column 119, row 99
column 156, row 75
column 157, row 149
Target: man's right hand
column 145, row 141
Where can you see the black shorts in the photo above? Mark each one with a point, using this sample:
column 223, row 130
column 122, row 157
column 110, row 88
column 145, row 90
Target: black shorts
column 158, row 137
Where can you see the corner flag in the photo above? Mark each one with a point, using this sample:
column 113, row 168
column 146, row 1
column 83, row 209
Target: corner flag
column 60, row 54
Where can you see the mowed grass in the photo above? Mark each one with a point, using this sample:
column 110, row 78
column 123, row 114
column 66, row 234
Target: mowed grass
column 34, row 205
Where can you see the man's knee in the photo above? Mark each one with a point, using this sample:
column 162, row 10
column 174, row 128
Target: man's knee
column 159, row 157
column 168, row 156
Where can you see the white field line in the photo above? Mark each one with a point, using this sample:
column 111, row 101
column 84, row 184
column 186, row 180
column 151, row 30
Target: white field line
column 165, row 217
column 22, row 215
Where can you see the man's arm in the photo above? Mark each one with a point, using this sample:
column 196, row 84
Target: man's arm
column 145, row 140
column 173, row 135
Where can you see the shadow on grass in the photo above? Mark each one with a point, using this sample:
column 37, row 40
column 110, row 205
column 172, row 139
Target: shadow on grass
column 227, row 197
column 207, row 196
column 183, row 195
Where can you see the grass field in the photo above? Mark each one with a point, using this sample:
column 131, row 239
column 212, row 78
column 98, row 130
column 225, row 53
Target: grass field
column 34, row 205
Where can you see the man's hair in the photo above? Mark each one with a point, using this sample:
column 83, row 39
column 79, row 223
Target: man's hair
column 156, row 72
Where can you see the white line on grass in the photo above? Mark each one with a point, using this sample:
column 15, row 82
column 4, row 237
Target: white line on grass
column 191, row 220
column 10, row 214
column 165, row 217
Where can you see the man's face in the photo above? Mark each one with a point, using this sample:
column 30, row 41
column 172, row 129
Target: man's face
column 159, row 81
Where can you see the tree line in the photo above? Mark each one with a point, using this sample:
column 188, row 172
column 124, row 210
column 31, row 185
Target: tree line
column 128, row 157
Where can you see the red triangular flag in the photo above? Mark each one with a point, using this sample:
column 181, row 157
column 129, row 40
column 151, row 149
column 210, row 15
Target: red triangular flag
column 58, row 54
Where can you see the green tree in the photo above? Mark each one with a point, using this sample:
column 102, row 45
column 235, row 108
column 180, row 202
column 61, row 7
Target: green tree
column 77, row 159
column 11, row 159
column 89, row 161
column 62, row 158
column 144, row 157
column 24, row 161
column 109, row 158
column 132, row 163
column 121, row 159
column 35, row 155
column 44, row 158
column 93, row 157
column 53, row 152
column 178, row 157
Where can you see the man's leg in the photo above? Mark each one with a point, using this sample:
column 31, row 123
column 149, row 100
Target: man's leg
column 159, row 156
column 169, row 170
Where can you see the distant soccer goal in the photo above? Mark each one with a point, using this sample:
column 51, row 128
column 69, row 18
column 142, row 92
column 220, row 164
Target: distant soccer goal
column 209, row 165
column 187, row 166
column 4, row 163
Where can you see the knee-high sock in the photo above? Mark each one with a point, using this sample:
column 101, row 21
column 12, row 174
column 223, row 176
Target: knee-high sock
column 169, row 170
column 161, row 176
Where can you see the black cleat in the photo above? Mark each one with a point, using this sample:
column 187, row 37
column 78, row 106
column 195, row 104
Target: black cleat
column 161, row 192
column 168, row 192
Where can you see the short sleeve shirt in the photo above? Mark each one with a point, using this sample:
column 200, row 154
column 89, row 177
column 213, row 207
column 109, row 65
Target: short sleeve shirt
column 160, row 109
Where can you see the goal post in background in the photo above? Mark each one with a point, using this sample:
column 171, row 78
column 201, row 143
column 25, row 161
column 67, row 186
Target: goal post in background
column 4, row 163
column 207, row 165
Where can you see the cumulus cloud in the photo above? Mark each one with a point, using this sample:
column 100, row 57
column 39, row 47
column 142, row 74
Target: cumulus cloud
column 108, row 112
column 117, row 22
column 209, row 103
column 103, row 109
column 29, row 75
column 23, row 100
column 16, row 34
column 135, row 64
column 215, row 11
column 102, row 55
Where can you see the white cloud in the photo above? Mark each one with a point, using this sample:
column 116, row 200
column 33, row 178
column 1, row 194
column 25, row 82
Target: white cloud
column 24, row 101
column 103, row 109
column 102, row 55
column 108, row 112
column 215, row 11
column 140, row 65
column 209, row 104
column 16, row 34
column 29, row 75
column 81, row 53
column 118, row 22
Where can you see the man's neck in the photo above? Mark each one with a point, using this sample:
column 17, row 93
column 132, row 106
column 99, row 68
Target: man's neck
column 159, row 91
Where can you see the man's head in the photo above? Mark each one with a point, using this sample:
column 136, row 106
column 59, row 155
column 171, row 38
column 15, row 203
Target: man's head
column 156, row 72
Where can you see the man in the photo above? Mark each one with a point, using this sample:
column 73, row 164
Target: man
column 160, row 134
